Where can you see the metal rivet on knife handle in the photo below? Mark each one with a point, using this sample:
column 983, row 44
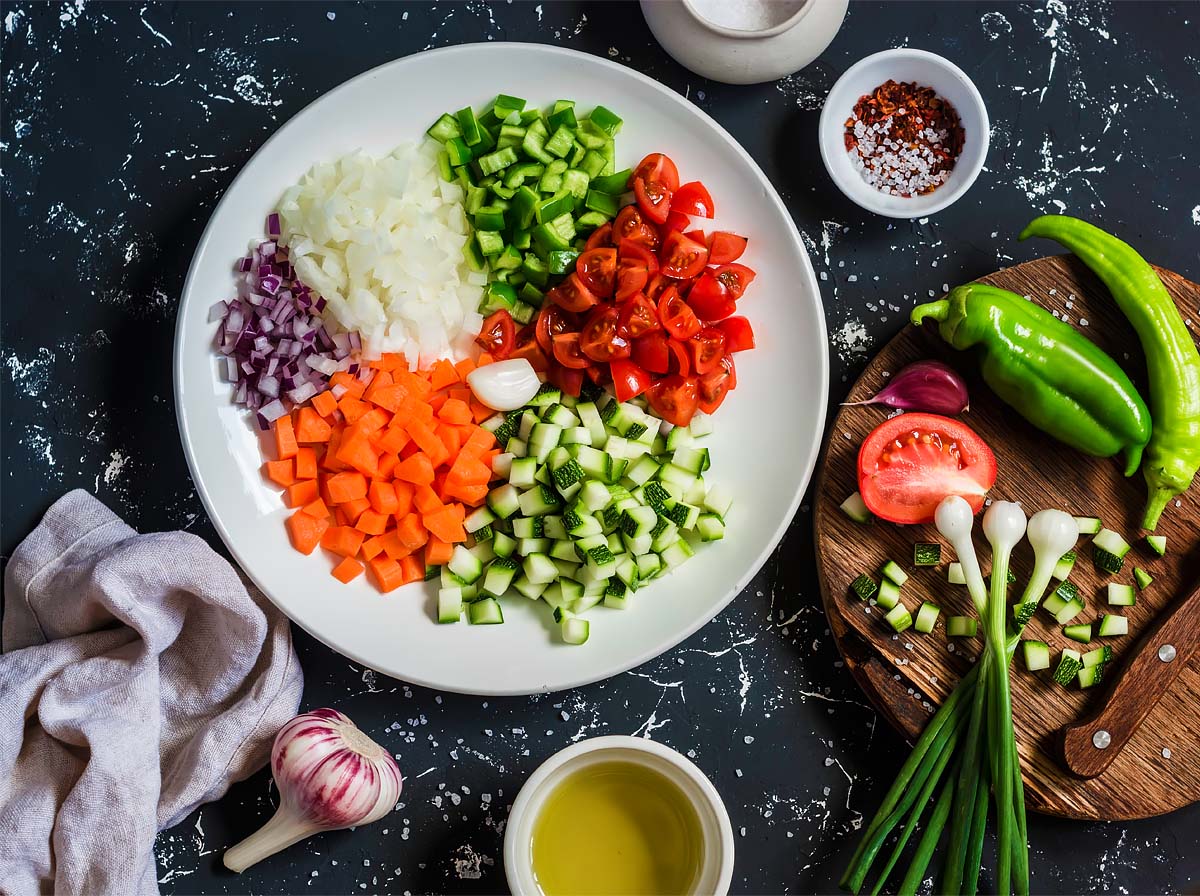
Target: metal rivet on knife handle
column 1101, row 739
column 1166, row 653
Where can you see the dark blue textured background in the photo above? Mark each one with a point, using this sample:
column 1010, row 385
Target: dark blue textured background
column 122, row 125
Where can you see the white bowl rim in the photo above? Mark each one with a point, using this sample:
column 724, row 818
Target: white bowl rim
column 524, row 804
column 828, row 138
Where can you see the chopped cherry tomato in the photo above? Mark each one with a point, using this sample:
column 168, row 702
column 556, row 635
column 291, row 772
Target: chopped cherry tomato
column 631, row 225
column 573, row 295
column 680, row 362
column 653, row 198
column 632, row 275
column 706, row 349
column 597, row 373
column 597, row 270
column 738, row 335
column 566, row 378
column 909, row 463
column 650, row 352
column 698, row 235
column 677, row 318
column 628, row 379
column 600, row 237
column 675, row 221
column 693, row 199
column 674, row 398
column 682, row 258
column 725, row 247
column 553, row 320
column 601, row 338
column 638, row 316
column 710, row 299
column 654, row 287
column 498, row 335
column 716, row 385
column 638, row 252
column 568, row 353
column 527, row 347
column 735, row 278
column 657, row 167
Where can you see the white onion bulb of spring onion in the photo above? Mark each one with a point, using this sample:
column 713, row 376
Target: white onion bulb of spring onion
column 330, row 775
column 504, row 385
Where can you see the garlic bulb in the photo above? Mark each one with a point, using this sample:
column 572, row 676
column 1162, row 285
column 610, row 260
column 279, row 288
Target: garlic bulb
column 330, row 775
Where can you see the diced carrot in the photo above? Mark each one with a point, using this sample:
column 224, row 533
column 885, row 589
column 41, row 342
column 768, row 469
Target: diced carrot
column 387, row 573
column 405, row 491
column 357, row 452
column 468, row 471
column 303, row 492
column 324, row 403
column 423, row 411
column 451, row 437
column 340, row 517
column 474, row 495
column 371, row 547
column 383, row 497
column 426, row 500
column 484, row 359
column 445, row 525
column 393, row 546
column 310, row 427
column 443, row 374
column 455, row 411
column 394, row 361
column 480, row 411
column 305, row 531
column 460, row 512
column 349, row 382
column 380, row 380
column 436, row 400
column 316, row 508
column 390, row 397
column 411, row 569
column 354, row 509
column 412, row 532
column 352, row 408
column 464, row 368
column 417, row 469
column 462, row 393
column 438, row 552
column 387, row 465
column 371, row 522
column 348, row 570
column 344, row 540
column 281, row 472
column 306, row 462
column 394, row 439
column 285, row 438
column 373, row 420
column 342, row 487
column 330, row 461
column 428, row 441
column 439, row 483
column 480, row 441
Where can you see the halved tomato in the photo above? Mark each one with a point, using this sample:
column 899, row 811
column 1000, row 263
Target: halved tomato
column 693, row 199
column 601, row 338
column 553, row 320
column 657, row 167
column 710, row 298
column 738, row 335
column 682, row 258
column 568, row 352
column 674, row 398
column 638, row 316
column 725, row 247
column 705, row 350
column 653, row 198
column 597, row 269
column 498, row 335
column 714, row 386
column 735, row 278
column 650, row 352
column 628, row 379
column 677, row 318
column 600, row 237
column 908, row 464
column 631, row 225
column 573, row 295
column 638, row 252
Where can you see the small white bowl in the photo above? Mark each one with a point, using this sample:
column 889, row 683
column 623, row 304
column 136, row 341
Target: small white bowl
column 928, row 70
column 717, row 871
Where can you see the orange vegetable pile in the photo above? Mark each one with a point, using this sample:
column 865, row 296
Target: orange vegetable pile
column 382, row 477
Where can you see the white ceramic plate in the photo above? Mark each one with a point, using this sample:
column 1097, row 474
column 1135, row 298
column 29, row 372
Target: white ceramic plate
column 767, row 433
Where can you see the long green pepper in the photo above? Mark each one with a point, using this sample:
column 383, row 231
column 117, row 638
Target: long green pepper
column 1172, row 361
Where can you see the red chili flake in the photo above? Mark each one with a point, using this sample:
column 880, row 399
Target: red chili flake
column 904, row 138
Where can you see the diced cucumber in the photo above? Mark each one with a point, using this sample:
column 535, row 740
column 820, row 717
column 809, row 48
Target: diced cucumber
column 1090, row 675
column 450, row 604
column 1036, row 655
column 962, row 626
column 1097, row 657
column 891, row 569
column 464, row 564
column 1088, row 525
column 954, row 574
column 485, row 612
column 927, row 616
column 504, row 501
column 1113, row 626
column 854, row 508
column 1109, row 550
column 522, row 472
column 478, row 518
column 574, row 630
column 538, row 501
column 1121, row 595
column 503, row 545
column 1069, row 664
column 1157, row 543
column 718, row 500
column 1142, row 578
column 539, row 569
column 898, row 618
column 710, row 527
column 526, row 588
column 927, row 554
column 1065, row 564
column 1081, row 632
column 889, row 594
column 1069, row 611
column 864, row 587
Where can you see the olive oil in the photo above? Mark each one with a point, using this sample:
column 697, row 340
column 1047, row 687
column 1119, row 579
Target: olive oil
column 617, row 828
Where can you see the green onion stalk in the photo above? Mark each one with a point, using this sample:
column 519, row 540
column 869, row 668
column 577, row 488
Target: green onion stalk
column 966, row 759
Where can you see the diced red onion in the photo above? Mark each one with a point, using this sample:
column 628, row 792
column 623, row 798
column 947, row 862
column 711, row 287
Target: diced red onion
column 274, row 231
column 302, row 393
column 217, row 312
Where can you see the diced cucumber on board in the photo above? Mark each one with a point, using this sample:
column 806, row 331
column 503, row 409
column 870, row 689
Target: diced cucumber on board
column 854, row 508
column 1036, row 655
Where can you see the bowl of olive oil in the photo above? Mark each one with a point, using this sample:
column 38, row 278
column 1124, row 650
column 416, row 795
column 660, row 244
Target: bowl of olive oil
column 618, row 815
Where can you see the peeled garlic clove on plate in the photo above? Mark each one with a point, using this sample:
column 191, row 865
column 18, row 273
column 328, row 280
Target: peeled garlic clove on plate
column 505, row 385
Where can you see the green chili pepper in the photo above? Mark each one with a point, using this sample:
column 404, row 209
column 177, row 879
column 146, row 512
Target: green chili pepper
column 1173, row 455
column 1055, row 377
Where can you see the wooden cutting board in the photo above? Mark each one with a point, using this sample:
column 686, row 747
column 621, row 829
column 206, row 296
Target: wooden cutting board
column 905, row 675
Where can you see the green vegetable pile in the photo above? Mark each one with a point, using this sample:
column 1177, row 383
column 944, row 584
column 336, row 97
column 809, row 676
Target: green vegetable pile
column 535, row 182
